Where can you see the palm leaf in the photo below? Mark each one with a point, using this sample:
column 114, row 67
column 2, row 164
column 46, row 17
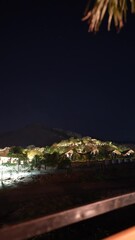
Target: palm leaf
column 116, row 10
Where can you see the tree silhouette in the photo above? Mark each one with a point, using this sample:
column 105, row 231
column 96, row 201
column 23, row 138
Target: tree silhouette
column 116, row 10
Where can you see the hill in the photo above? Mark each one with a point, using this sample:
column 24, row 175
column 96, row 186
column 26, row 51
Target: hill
column 34, row 134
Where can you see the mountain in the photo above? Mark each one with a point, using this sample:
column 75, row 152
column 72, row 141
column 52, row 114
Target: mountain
column 34, row 134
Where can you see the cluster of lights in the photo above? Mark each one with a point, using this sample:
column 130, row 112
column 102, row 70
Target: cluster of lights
column 10, row 175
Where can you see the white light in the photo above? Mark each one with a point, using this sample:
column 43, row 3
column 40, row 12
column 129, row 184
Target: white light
column 10, row 176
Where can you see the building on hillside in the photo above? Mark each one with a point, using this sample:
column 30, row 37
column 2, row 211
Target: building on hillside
column 4, row 151
column 4, row 156
column 128, row 153
column 116, row 153
column 9, row 160
column 69, row 154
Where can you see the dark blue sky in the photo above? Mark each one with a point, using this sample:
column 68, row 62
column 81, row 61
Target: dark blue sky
column 53, row 71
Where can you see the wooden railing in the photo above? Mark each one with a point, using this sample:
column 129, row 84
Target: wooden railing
column 49, row 223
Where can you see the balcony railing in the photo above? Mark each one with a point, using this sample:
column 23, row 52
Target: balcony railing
column 52, row 222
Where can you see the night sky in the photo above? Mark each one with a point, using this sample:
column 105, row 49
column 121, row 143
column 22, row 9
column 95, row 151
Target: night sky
column 52, row 71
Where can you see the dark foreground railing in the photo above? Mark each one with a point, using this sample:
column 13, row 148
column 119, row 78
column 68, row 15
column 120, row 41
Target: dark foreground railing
column 49, row 223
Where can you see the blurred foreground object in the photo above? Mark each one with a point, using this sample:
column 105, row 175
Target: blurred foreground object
column 115, row 9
